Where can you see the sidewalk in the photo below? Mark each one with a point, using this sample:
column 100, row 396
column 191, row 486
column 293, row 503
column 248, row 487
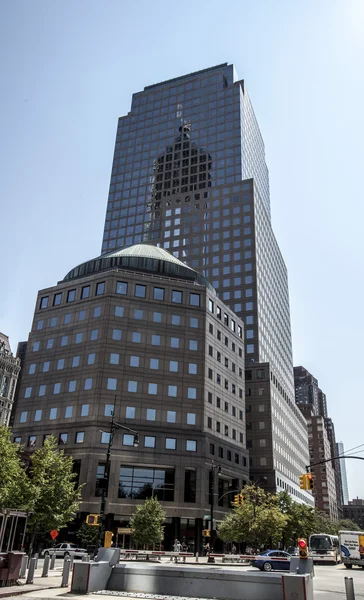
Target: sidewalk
column 41, row 587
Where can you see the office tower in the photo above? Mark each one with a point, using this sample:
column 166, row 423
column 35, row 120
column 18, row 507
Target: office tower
column 306, row 389
column 189, row 174
column 330, row 429
column 343, row 478
column 139, row 333
column 322, row 404
column 324, row 475
column 9, row 372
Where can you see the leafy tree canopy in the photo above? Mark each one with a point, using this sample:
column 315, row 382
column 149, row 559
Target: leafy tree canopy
column 147, row 523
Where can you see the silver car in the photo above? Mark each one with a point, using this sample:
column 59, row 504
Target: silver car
column 63, row 550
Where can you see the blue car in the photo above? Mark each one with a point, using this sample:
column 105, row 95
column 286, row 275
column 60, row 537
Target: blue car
column 265, row 563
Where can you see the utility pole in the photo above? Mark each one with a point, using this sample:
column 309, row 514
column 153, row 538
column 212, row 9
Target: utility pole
column 212, row 501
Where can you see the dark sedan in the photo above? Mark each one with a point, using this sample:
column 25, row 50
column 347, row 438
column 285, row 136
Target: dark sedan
column 269, row 561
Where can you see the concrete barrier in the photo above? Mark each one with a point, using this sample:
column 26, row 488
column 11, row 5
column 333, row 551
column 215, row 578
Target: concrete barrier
column 209, row 583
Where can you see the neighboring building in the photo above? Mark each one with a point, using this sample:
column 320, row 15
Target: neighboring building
column 324, row 481
column 189, row 174
column 330, row 428
column 139, row 333
column 354, row 510
column 20, row 354
column 9, row 373
column 306, row 389
column 343, row 477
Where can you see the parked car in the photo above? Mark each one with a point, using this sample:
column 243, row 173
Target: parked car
column 293, row 550
column 64, row 549
column 265, row 563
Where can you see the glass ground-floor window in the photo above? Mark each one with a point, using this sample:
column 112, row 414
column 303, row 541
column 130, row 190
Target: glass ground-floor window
column 144, row 482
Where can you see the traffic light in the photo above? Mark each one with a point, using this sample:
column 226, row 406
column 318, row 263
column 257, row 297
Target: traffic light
column 302, row 548
column 303, row 481
column 93, row 520
column 108, row 539
column 238, row 499
column 309, row 481
column 206, row 533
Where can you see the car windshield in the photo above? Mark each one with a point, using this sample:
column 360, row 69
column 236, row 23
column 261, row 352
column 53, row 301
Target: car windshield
column 73, row 546
column 320, row 542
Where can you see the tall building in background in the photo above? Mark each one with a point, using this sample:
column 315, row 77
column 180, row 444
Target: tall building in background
column 306, row 389
column 354, row 510
column 343, row 478
column 9, row 373
column 189, row 175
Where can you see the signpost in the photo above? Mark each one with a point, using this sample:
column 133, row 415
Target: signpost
column 54, row 534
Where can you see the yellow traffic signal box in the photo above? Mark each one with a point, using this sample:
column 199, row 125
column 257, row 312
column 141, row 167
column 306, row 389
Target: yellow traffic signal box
column 302, row 548
column 93, row 520
column 108, row 539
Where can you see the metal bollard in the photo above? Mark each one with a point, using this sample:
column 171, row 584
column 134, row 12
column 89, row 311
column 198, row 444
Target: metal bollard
column 72, row 561
column 86, row 558
column 46, row 566
column 66, row 572
column 196, row 556
column 349, row 588
column 32, row 563
column 36, row 556
column 53, row 561
column 23, row 568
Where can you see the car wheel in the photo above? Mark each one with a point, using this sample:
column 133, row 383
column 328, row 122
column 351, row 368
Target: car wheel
column 349, row 566
column 46, row 554
column 267, row 567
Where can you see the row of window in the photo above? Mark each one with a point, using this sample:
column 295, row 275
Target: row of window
column 149, row 441
column 225, row 406
column 229, row 455
column 219, row 381
column 225, row 318
column 226, row 340
column 135, row 336
column 140, row 291
column 130, row 412
column 219, row 429
column 227, row 363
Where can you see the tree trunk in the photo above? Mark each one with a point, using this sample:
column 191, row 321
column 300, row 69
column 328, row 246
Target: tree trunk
column 31, row 545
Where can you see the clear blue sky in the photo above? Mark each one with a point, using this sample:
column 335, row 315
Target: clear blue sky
column 68, row 69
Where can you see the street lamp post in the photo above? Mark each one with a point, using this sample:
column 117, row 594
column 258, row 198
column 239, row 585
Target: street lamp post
column 105, row 480
column 212, row 502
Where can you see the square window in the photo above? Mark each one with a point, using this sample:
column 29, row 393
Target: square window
column 152, row 388
column 67, row 319
column 176, row 320
column 82, row 315
column 105, row 437
column 191, row 445
column 193, row 345
column 172, row 391
column 140, row 291
column 57, row 299
column 88, row 384
column 191, row 419
column 79, row 338
column 157, row 317
column 173, row 366
column 75, row 361
column 158, row 293
column 71, row 296
column 151, row 414
column 32, row 369
column 108, row 410
column 121, row 288
column 42, row 390
column 68, row 412
column 132, row 386
column 119, row 311
column 91, row 359
column 94, row 334
column 128, row 439
column 193, row 322
column 156, row 340
column 28, row 392
column 154, row 363
column 116, row 334
column 85, row 292
column 84, row 410
column 149, row 441
column 130, row 412
column 97, row 311
column 192, row 393
column 177, row 296
column 136, row 337
column 72, row 386
column 46, row 366
column 38, row 415
column 80, row 437
column 171, row 443
column 44, row 302
column 23, row 416
column 192, row 368
column 134, row 361
column 250, row 348
column 138, row 314
column 171, row 416
column 194, row 299
column 57, row 388
column 174, row 342
column 100, row 288
column 53, row 414
column 64, row 341
column 111, row 383
column 63, row 437
column 40, row 324
column 36, row 346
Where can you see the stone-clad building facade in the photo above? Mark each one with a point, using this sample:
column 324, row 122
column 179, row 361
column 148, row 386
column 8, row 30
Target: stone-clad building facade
column 9, row 373
column 139, row 333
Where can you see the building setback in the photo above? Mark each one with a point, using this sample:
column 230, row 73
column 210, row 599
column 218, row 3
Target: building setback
column 189, row 174
column 138, row 333
column 9, row 373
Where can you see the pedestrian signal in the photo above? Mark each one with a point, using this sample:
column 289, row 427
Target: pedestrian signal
column 93, row 520
column 302, row 548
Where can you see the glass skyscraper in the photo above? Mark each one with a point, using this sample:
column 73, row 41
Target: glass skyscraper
column 189, row 175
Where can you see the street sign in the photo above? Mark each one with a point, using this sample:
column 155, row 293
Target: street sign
column 54, row 534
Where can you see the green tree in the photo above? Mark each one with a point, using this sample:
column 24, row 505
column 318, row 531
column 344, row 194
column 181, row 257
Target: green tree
column 54, row 496
column 345, row 525
column 147, row 523
column 301, row 519
column 88, row 534
column 14, row 484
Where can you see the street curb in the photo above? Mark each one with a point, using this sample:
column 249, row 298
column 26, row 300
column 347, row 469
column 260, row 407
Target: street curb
column 15, row 590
